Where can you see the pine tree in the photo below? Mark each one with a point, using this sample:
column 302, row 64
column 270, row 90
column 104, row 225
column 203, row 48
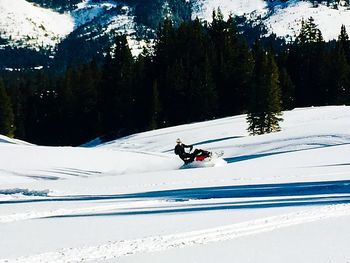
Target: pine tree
column 85, row 94
column 274, row 102
column 307, row 66
column 339, row 73
column 156, row 107
column 115, row 96
column 18, row 97
column 175, row 93
column 344, row 42
column 309, row 32
column 164, row 49
column 232, row 65
column 6, row 113
column 264, row 112
column 69, row 128
column 287, row 89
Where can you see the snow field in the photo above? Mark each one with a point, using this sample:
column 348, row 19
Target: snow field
column 123, row 248
column 128, row 201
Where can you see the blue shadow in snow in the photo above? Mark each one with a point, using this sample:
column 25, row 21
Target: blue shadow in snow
column 226, row 206
column 273, row 195
column 255, row 156
column 249, row 157
column 240, row 191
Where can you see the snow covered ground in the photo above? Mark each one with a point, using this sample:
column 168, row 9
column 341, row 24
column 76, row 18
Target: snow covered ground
column 282, row 197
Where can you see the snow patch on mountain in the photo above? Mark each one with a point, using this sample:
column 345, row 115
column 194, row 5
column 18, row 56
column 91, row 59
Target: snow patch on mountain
column 89, row 10
column 204, row 8
column 282, row 18
column 286, row 19
column 25, row 24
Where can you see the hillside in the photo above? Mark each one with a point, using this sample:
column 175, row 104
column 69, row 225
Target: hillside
column 128, row 201
column 283, row 17
column 52, row 28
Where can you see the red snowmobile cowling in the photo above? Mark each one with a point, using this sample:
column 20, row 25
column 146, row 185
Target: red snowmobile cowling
column 200, row 158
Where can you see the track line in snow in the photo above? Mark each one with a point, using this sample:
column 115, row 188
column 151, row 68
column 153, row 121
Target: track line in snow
column 118, row 249
column 76, row 211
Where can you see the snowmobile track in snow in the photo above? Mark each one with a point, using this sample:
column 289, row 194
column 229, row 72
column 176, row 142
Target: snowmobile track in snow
column 118, row 249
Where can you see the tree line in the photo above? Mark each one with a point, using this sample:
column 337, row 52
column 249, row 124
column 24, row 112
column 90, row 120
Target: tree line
column 195, row 72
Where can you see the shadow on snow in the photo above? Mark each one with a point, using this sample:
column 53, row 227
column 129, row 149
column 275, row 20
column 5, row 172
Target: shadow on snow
column 260, row 155
column 273, row 195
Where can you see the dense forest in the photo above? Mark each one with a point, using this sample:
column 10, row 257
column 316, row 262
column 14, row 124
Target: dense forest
column 196, row 71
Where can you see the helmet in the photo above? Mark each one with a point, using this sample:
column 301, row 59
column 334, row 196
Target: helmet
column 178, row 140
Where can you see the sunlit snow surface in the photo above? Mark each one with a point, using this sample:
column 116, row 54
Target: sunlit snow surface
column 282, row 197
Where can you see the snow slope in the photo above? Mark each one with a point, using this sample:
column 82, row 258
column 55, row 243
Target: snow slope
column 25, row 24
column 282, row 197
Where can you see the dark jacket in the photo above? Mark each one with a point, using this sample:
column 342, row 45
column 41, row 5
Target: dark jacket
column 180, row 150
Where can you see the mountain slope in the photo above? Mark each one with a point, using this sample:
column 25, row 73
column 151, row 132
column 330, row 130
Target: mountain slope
column 92, row 25
column 23, row 24
column 282, row 17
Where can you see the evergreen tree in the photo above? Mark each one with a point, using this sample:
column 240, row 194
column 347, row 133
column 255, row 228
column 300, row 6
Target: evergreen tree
column 175, row 91
column 265, row 97
column 143, row 93
column 344, row 42
column 156, row 107
column 232, row 65
column 309, row 32
column 287, row 89
column 17, row 93
column 339, row 74
column 307, row 66
column 274, row 102
column 69, row 126
column 85, row 95
column 6, row 112
column 116, row 90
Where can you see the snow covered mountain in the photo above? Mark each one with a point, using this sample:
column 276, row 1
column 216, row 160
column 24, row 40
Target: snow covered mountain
column 36, row 25
column 23, row 24
column 281, row 197
column 283, row 17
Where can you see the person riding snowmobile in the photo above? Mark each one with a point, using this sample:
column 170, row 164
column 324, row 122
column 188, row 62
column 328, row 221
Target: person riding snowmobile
column 188, row 157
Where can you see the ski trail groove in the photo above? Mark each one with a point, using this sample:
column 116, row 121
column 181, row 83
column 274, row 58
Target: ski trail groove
column 76, row 211
column 118, row 249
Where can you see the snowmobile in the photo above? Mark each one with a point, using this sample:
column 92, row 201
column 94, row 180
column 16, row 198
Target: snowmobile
column 204, row 158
